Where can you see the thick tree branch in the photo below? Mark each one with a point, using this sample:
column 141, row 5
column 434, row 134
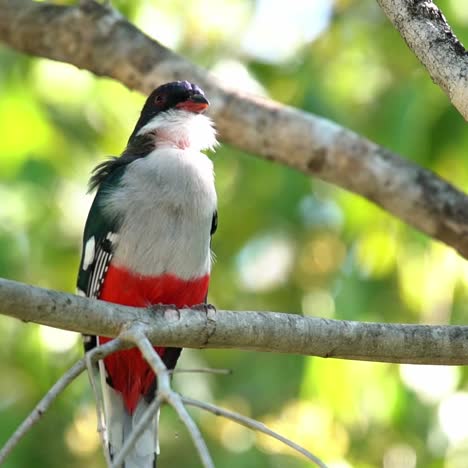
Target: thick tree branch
column 261, row 331
column 96, row 38
column 429, row 36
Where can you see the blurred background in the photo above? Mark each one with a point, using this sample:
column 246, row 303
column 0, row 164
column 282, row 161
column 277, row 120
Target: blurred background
column 285, row 242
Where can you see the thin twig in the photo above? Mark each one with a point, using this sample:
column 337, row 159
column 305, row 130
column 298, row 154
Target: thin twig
column 93, row 375
column 52, row 394
column 136, row 432
column 165, row 393
column 92, row 357
column 252, row 424
column 175, row 401
column 136, row 335
column 42, row 407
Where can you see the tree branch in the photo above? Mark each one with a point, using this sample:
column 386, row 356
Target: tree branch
column 96, row 38
column 42, row 407
column 92, row 357
column 260, row 331
column 252, row 424
column 135, row 334
column 429, row 36
column 52, row 394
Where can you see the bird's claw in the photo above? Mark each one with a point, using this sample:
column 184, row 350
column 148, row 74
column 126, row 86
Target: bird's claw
column 204, row 307
column 161, row 308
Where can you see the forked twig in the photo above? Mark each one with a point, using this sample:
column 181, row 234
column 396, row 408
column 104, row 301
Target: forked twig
column 92, row 357
column 252, row 424
column 136, row 335
column 165, row 393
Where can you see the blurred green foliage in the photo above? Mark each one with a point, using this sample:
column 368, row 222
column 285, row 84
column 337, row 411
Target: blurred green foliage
column 285, row 242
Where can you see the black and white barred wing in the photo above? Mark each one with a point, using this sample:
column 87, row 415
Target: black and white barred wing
column 97, row 254
column 98, row 246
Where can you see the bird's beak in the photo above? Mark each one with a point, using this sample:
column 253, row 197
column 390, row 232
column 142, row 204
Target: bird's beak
column 196, row 103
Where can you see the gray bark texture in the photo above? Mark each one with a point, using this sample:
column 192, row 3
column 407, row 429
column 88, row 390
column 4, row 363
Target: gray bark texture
column 259, row 331
column 92, row 36
column 427, row 33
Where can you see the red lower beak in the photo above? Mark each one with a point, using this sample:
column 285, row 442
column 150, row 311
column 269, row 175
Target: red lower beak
column 191, row 106
column 196, row 103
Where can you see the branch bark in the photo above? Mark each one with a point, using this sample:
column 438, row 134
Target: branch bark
column 427, row 33
column 96, row 38
column 135, row 334
column 260, row 331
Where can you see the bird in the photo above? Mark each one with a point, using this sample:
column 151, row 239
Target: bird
column 147, row 241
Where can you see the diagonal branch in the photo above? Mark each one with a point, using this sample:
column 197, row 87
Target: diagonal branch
column 94, row 37
column 429, row 36
column 52, row 394
column 92, row 358
column 42, row 407
column 252, row 424
column 260, row 331
column 136, row 335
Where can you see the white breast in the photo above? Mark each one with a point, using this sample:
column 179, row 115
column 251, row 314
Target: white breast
column 166, row 201
column 181, row 129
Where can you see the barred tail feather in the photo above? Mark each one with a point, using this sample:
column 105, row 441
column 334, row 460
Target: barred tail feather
column 120, row 424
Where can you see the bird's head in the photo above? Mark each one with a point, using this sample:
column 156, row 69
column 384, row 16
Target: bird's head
column 170, row 108
column 176, row 95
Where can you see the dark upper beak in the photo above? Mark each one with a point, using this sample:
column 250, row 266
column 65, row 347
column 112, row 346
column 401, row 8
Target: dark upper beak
column 200, row 99
column 195, row 103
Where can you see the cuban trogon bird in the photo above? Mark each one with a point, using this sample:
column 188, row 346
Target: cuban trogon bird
column 147, row 241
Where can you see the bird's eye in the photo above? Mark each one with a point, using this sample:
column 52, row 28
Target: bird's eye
column 159, row 98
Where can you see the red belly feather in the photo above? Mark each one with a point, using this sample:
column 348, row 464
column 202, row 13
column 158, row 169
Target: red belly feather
column 129, row 372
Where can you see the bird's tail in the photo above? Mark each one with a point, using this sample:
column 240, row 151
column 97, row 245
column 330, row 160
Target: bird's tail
column 120, row 424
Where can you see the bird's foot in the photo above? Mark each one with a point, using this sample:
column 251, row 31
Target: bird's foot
column 162, row 308
column 204, row 307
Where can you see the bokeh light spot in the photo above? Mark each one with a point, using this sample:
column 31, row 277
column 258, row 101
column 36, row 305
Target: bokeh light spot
column 56, row 340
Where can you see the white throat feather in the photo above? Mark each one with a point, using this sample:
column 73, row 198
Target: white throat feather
column 182, row 129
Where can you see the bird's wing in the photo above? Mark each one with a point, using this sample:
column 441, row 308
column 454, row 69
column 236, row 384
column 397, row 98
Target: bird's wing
column 99, row 239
